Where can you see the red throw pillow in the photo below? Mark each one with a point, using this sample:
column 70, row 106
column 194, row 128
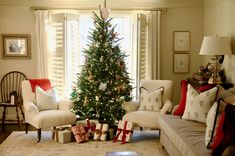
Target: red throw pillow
column 45, row 84
column 180, row 110
column 225, row 135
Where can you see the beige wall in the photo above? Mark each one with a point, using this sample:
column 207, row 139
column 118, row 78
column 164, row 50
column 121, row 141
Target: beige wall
column 17, row 20
column 180, row 19
column 220, row 19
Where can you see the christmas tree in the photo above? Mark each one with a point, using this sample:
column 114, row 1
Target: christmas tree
column 103, row 84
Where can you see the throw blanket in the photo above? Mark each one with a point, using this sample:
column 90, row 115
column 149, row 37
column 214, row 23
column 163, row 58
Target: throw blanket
column 45, row 84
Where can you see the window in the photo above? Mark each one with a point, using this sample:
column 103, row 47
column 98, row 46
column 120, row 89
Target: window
column 68, row 37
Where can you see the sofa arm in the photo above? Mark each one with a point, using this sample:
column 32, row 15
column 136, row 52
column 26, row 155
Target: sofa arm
column 31, row 108
column 167, row 107
column 65, row 105
column 130, row 106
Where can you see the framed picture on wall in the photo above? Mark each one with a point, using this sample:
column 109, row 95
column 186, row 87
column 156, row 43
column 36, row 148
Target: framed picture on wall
column 16, row 46
column 181, row 63
column 181, row 41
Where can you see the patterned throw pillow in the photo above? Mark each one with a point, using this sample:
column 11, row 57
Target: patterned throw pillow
column 46, row 100
column 212, row 121
column 151, row 101
column 198, row 104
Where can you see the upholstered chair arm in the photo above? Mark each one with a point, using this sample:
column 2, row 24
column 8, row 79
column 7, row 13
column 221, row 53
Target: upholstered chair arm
column 167, row 107
column 31, row 108
column 65, row 105
column 174, row 108
column 130, row 106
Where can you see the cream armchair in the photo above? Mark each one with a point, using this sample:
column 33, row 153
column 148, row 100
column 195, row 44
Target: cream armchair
column 46, row 118
column 149, row 119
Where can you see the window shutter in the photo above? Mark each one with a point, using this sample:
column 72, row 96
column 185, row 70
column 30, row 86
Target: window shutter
column 142, row 46
column 57, row 71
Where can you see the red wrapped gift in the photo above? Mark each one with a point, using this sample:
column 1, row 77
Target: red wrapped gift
column 124, row 132
column 89, row 126
column 80, row 134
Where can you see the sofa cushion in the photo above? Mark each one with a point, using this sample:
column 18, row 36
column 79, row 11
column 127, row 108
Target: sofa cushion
column 187, row 136
column 198, row 104
column 143, row 118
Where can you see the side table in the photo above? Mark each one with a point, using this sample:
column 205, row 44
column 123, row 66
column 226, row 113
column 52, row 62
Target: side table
column 196, row 84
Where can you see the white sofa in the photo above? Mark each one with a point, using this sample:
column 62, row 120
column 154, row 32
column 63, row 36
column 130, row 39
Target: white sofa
column 182, row 137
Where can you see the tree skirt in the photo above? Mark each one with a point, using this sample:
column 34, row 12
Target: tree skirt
column 144, row 143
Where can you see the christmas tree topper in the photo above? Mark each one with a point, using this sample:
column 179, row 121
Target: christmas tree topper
column 104, row 12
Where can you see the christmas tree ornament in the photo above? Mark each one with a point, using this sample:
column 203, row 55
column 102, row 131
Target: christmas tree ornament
column 91, row 77
column 101, row 58
column 121, row 64
column 96, row 98
column 85, row 101
column 102, row 86
column 117, row 77
column 106, row 45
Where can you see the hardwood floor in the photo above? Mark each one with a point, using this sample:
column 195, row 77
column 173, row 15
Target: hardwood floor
column 9, row 128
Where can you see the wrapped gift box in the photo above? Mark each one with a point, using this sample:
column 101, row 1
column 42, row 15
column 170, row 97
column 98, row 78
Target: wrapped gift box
column 61, row 130
column 64, row 136
column 89, row 126
column 124, row 131
column 80, row 134
column 101, row 132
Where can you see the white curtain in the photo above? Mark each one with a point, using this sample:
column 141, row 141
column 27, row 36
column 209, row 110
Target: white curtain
column 42, row 19
column 153, row 57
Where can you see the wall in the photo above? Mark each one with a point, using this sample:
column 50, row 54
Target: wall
column 18, row 20
column 180, row 19
column 219, row 19
column 16, row 17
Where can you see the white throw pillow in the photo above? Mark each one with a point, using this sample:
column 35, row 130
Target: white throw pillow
column 151, row 101
column 210, row 122
column 198, row 104
column 46, row 100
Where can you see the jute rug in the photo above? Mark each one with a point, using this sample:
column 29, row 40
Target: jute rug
column 144, row 143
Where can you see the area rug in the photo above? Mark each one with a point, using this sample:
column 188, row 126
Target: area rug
column 144, row 143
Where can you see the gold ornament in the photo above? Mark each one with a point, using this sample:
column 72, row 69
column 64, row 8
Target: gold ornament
column 85, row 101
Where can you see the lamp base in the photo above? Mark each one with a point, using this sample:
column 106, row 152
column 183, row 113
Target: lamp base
column 215, row 79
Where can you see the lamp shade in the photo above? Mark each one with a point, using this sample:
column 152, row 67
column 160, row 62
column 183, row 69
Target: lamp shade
column 215, row 45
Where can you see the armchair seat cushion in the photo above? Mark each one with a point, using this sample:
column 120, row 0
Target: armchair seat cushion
column 144, row 118
column 50, row 118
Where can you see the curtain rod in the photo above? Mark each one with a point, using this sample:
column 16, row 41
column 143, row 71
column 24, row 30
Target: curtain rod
column 96, row 8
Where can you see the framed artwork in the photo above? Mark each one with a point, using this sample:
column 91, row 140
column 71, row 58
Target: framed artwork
column 181, row 41
column 180, row 63
column 16, row 46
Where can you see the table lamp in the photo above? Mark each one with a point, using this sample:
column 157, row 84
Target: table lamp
column 215, row 46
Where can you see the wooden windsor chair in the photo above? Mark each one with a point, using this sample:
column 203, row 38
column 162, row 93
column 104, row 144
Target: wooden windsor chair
column 11, row 86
